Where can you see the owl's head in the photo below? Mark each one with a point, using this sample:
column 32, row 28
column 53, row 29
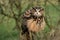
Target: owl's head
column 37, row 11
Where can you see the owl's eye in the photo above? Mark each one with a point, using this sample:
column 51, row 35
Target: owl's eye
column 41, row 10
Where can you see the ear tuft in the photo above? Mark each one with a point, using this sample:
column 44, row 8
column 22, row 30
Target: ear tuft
column 33, row 8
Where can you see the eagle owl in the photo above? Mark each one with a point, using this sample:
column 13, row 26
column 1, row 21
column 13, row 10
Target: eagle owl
column 33, row 19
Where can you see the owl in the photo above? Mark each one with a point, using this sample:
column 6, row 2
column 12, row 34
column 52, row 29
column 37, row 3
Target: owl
column 33, row 19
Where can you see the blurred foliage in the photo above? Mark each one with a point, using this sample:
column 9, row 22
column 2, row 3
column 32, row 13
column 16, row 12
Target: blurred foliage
column 11, row 11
